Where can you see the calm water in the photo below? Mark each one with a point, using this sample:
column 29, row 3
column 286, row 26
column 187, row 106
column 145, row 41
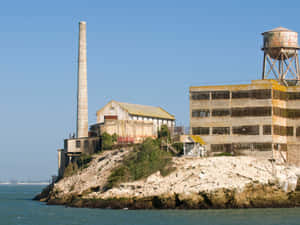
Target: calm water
column 17, row 208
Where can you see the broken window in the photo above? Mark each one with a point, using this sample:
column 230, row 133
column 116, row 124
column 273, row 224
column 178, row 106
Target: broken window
column 294, row 96
column 200, row 95
column 221, row 130
column 246, row 130
column 200, row 130
column 251, row 111
column 221, row 147
column 200, row 113
column 255, row 94
column 286, row 113
column 262, row 146
column 265, row 146
column 298, row 131
column 261, row 94
column 220, row 95
column 220, row 112
column 267, row 130
column 242, row 146
column 281, row 147
column 282, row 130
column 240, row 94
column 280, row 95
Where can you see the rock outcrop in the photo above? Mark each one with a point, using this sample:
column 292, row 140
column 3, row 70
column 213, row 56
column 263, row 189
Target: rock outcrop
column 215, row 182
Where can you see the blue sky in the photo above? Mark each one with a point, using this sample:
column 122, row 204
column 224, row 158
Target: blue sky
column 145, row 52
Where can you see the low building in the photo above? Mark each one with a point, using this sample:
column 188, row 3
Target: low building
column 131, row 121
column 258, row 118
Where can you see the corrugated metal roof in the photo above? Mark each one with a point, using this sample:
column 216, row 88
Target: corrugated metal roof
column 144, row 110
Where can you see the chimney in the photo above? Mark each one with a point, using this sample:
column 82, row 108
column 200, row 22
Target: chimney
column 82, row 96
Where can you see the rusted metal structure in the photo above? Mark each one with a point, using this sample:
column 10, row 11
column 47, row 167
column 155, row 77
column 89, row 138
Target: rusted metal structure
column 281, row 56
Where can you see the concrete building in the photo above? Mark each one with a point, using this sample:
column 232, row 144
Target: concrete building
column 259, row 117
column 131, row 121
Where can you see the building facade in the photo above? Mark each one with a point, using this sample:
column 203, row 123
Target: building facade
column 133, row 120
column 263, row 116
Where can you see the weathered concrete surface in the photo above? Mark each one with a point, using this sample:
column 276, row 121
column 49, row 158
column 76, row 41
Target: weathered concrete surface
column 216, row 182
column 82, row 95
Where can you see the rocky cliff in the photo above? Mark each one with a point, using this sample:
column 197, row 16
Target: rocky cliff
column 214, row 182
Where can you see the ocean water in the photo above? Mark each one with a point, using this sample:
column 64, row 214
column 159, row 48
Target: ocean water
column 16, row 207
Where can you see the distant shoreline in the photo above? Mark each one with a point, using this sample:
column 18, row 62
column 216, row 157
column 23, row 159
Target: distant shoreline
column 25, row 183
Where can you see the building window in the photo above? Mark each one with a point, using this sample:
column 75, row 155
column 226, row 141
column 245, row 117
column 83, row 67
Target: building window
column 280, row 95
column 200, row 95
column 200, row 130
column 255, row 94
column 240, row 94
column 86, row 144
column 221, row 130
column 293, row 95
column 283, row 131
column 221, row 112
column 246, row 130
column 200, row 113
column 264, row 146
column 261, row 94
column 77, row 144
column 220, row 95
column 221, row 148
column 286, row 113
column 267, row 129
column 251, row 111
column 298, row 131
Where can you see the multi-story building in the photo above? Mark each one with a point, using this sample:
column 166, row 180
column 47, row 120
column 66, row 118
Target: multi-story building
column 261, row 116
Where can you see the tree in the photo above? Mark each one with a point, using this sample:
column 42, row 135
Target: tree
column 114, row 138
column 164, row 132
column 107, row 141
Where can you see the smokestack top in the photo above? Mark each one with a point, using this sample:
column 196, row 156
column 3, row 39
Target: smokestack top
column 82, row 22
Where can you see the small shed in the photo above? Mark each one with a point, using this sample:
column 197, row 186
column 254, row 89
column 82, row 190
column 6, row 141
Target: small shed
column 193, row 145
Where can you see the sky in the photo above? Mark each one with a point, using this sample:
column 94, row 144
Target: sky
column 143, row 52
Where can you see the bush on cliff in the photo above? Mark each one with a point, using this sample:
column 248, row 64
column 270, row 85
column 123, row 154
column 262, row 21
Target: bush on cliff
column 107, row 141
column 79, row 163
column 145, row 160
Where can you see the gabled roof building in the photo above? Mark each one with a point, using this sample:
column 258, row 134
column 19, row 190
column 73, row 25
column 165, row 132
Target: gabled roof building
column 128, row 111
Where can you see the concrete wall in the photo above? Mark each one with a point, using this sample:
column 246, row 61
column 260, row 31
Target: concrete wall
column 61, row 162
column 293, row 154
column 136, row 129
column 87, row 145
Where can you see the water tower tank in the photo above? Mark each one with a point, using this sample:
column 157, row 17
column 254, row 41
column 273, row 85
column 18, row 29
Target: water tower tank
column 280, row 41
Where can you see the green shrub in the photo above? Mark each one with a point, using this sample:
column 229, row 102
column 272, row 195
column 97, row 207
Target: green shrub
column 164, row 132
column 114, row 138
column 107, row 141
column 79, row 163
column 143, row 161
column 70, row 169
column 223, row 154
column 83, row 161
column 179, row 147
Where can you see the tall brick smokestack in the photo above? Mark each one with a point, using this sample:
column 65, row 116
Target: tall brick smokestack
column 82, row 95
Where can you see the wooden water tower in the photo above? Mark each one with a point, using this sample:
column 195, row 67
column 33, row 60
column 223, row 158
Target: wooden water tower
column 281, row 56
